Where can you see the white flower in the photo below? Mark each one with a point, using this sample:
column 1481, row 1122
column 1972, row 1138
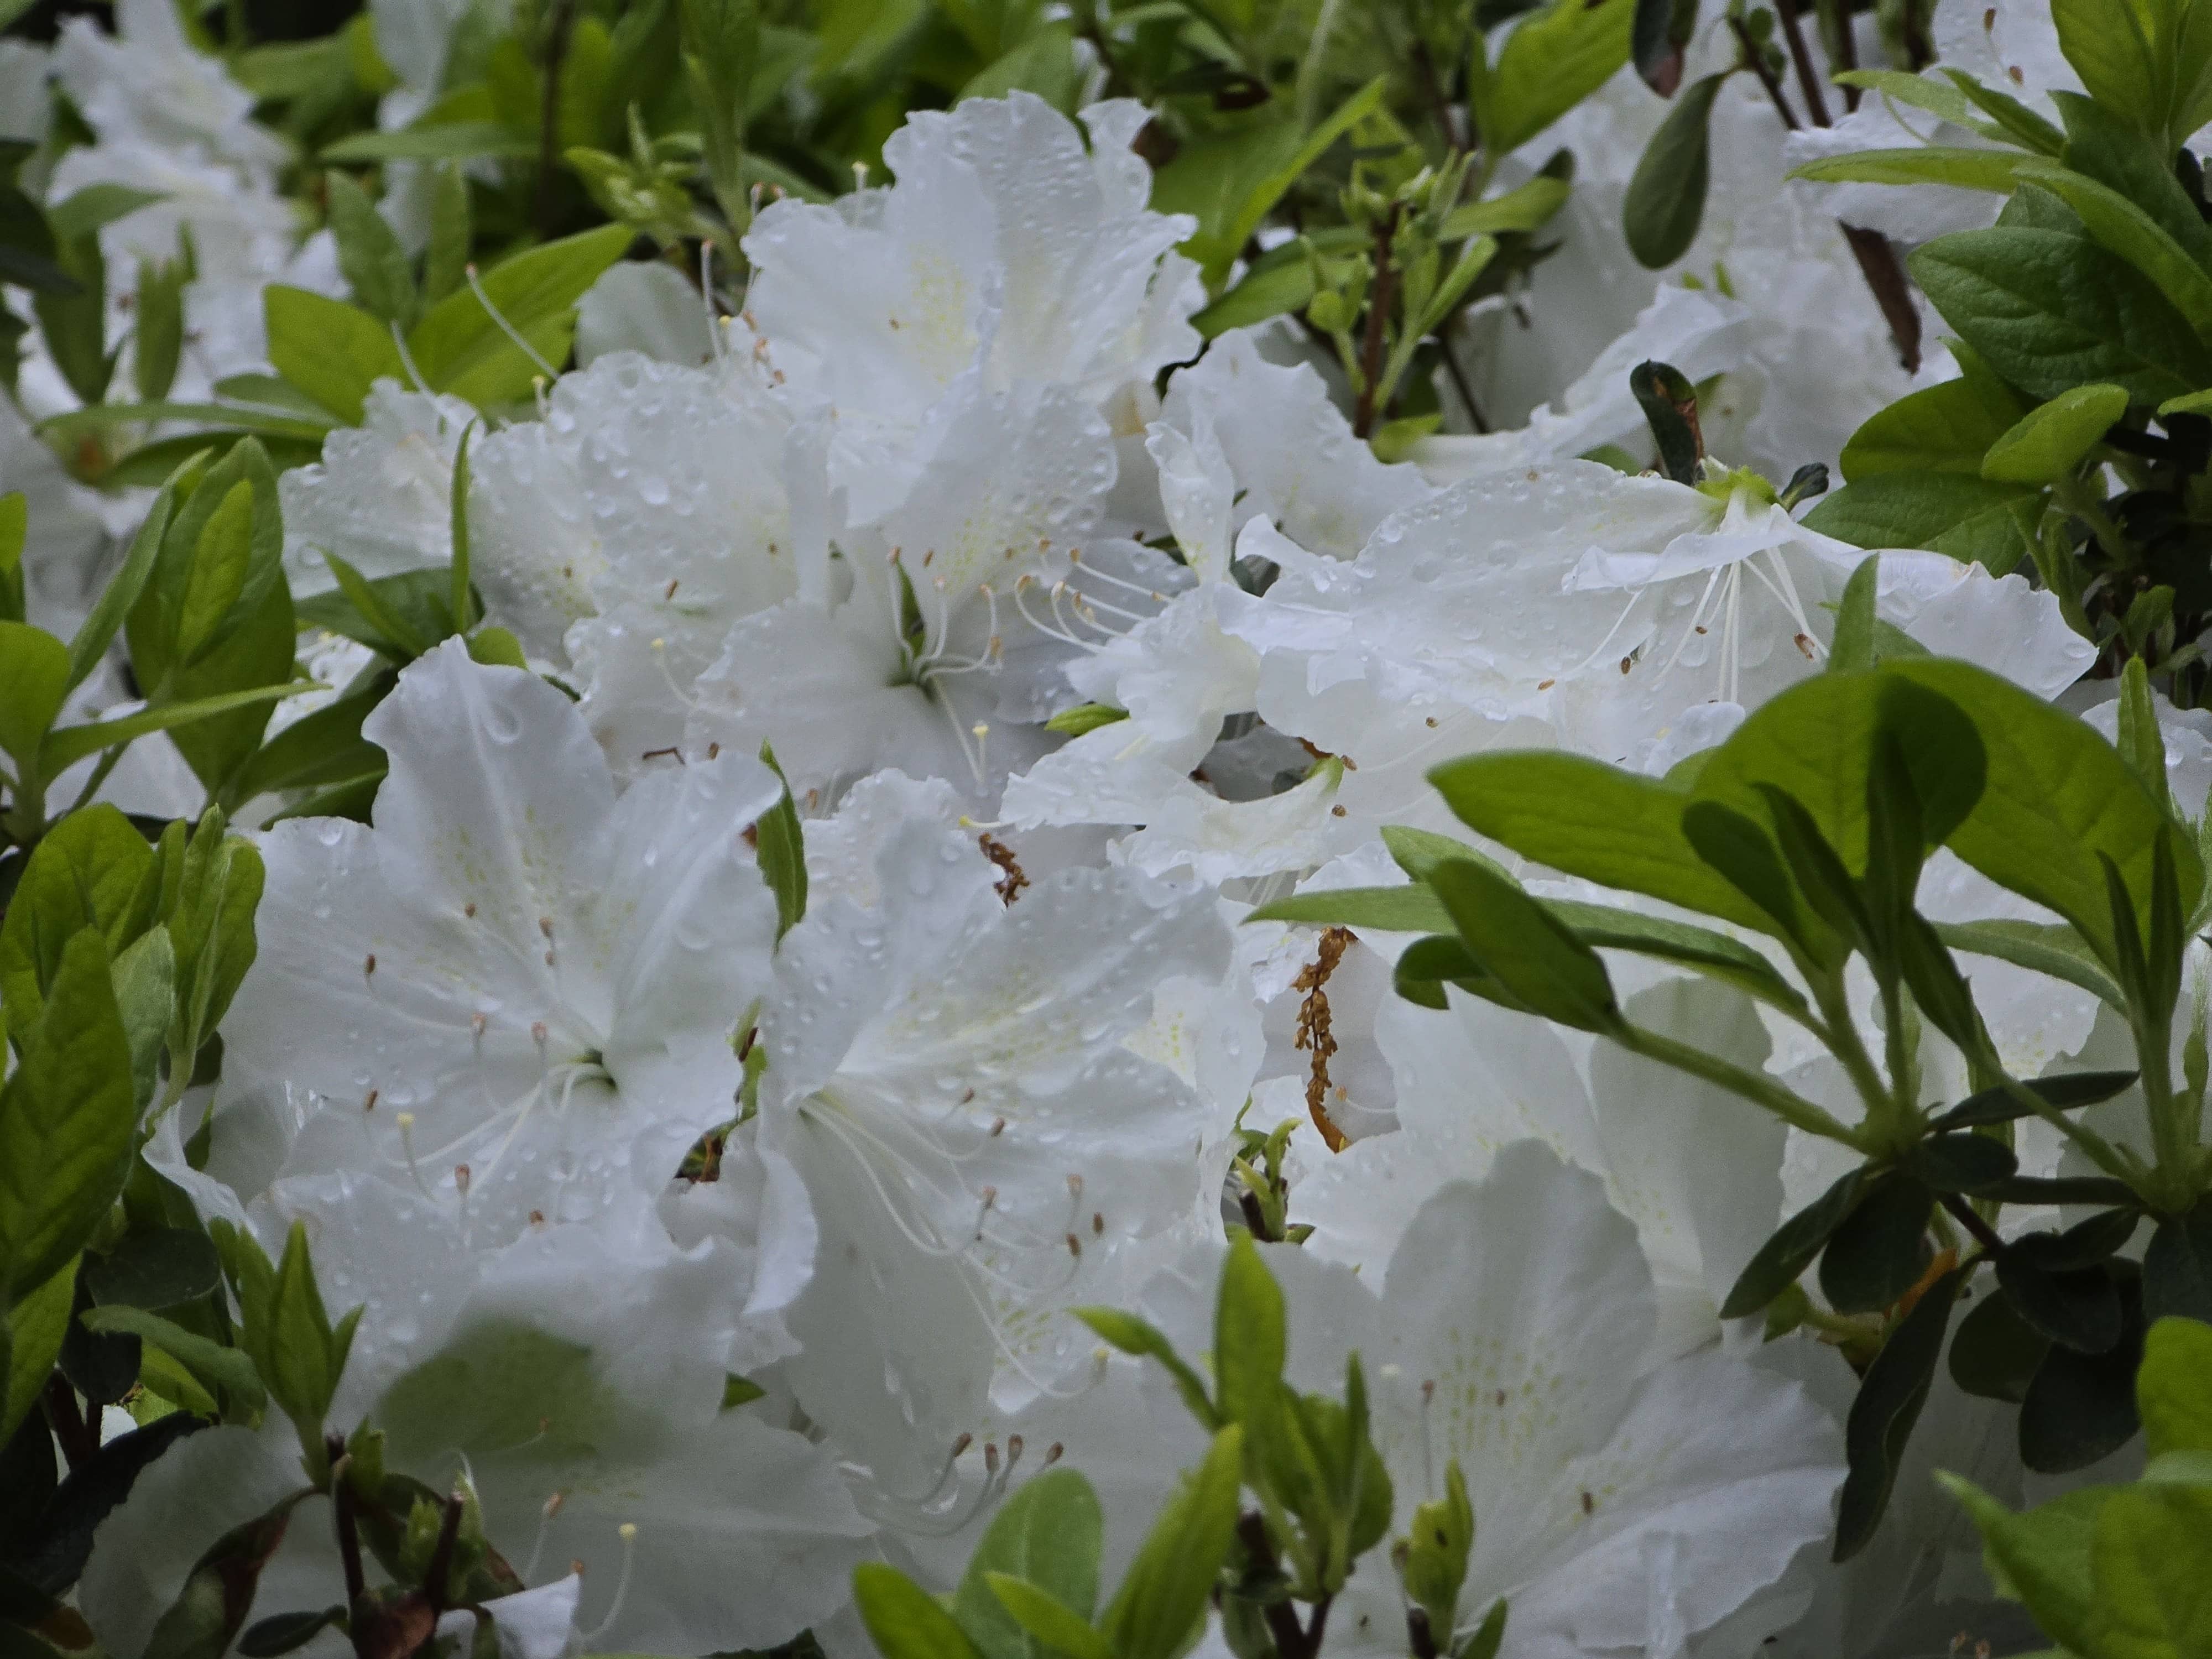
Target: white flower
column 146, row 83
column 1620, row 1508
column 1697, row 1170
column 951, row 1078
column 526, row 988
column 1006, row 253
column 381, row 496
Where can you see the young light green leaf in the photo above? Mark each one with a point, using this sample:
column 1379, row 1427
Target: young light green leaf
column 1162, row 1598
column 97, row 632
column 1048, row 1626
column 1250, row 1340
column 461, row 349
column 1944, row 427
column 329, row 349
column 904, row 1619
column 2053, row 439
column 1049, row 1536
column 299, row 1354
column 73, row 742
column 1554, row 58
column 1132, row 1335
column 1853, row 646
column 1409, row 909
column 1968, row 518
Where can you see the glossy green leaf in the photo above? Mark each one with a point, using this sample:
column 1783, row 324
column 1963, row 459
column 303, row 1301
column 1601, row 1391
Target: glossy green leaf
column 225, row 1372
column 34, row 677
column 1970, row 519
column 1554, row 58
column 1530, row 953
column 903, row 1620
column 86, row 872
column 1944, row 427
column 1778, row 1262
column 1992, row 170
column 370, row 257
column 462, row 350
column 1890, row 1397
column 1162, row 1601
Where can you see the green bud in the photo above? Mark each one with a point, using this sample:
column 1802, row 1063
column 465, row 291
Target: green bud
column 1432, row 1559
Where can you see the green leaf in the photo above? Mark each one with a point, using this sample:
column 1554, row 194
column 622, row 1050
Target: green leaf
column 1878, row 1251
column 331, row 350
column 1217, row 250
column 1050, row 1626
column 782, row 852
column 445, row 141
column 299, row 1358
column 1524, row 208
column 1890, row 1396
column 155, row 1268
column 2051, row 311
column 2122, row 228
column 2051, row 948
column 1993, row 170
column 1409, row 910
column 34, row 671
column 68, row 1120
column 211, row 926
column 2041, row 1558
column 1533, row 956
column 31, row 1334
column 2062, row 1093
column 97, row 632
column 2171, row 1389
column 1163, row 1599
column 2050, row 440
column 1945, row 427
column 224, row 1372
column 1250, row 1340
column 451, row 233
column 1702, row 949
column 86, row 872
column 2148, row 1560
column 73, row 742
column 146, row 994
column 463, row 351
column 903, row 1620
column 1280, row 281
column 1585, row 818
column 217, row 575
column 2010, row 119
column 2058, row 796
column 2117, row 57
column 1085, row 717
column 1970, row 519
column 1853, row 646
column 375, row 266
column 1132, row 1335
column 218, row 1594
column 1553, row 60
column 1666, row 198
column 157, row 336
column 1785, row 1255
column 1047, row 1536
column 94, row 207
column 2178, row 1266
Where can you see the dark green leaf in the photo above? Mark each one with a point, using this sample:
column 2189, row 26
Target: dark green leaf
column 331, row 350
column 1945, row 512
column 91, row 1493
column 782, row 850
column 1412, row 909
column 2078, row 1308
column 1792, row 1247
column 2064, row 1093
column 283, row 1632
column 1880, row 1251
column 1996, row 1353
column 2081, row 1406
column 155, row 1269
column 1888, row 1404
column 1666, row 198
column 2176, row 1281
column 375, row 266
column 1669, row 404
column 1963, row 1162
column 1945, row 427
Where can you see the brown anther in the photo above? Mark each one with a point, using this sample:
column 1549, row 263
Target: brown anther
column 750, row 835
column 461, row 1176
column 550, row 961
column 545, row 925
column 1428, row 1389
column 998, row 1126
column 469, row 909
column 1430, row 722
column 1074, row 1247
column 1803, row 644
column 537, row 1032
column 1546, row 685
column 669, row 592
column 1013, row 1447
column 1052, row 1454
column 476, row 1023
column 1313, row 1035
column 1626, row 663
column 1589, row 1504
column 369, row 966
column 961, row 1442
column 1336, row 812
column 370, row 1104
column 537, row 1217
column 990, row 1458
column 1098, row 1223
column 713, row 751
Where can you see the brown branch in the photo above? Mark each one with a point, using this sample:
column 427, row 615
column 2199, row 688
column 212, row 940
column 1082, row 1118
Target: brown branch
column 1885, row 275
column 80, row 1440
column 1377, row 340
column 1755, row 60
column 1963, row 1214
column 1800, row 53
